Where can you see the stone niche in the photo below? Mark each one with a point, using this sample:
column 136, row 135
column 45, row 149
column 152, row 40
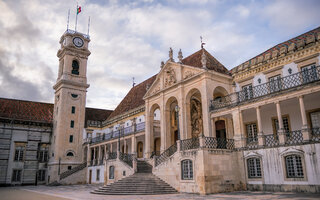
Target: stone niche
column 300, row 43
column 260, row 59
column 275, row 53
column 283, row 50
column 310, row 39
column 292, row 47
column 267, row 56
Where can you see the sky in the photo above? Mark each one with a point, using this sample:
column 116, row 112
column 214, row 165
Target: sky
column 131, row 38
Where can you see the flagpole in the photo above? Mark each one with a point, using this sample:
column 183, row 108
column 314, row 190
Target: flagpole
column 88, row 25
column 76, row 19
column 68, row 19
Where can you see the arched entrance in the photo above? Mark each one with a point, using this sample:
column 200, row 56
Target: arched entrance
column 194, row 109
column 221, row 133
column 140, row 150
column 124, row 150
column 171, row 121
column 157, row 144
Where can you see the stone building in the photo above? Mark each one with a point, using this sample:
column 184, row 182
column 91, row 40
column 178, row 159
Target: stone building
column 195, row 124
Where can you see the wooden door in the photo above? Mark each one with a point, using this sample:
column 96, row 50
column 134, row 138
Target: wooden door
column 140, row 149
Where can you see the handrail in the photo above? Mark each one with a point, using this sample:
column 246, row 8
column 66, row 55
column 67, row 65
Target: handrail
column 271, row 87
column 73, row 170
column 166, row 154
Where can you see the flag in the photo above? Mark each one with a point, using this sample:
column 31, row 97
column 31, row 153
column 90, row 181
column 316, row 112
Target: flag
column 78, row 9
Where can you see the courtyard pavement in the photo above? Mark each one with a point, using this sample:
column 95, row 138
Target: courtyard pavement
column 82, row 192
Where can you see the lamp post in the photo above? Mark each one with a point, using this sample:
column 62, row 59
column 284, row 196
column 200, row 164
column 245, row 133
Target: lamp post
column 177, row 118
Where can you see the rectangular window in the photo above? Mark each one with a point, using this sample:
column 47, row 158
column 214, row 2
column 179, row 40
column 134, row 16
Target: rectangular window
column 73, row 109
column 315, row 119
column 72, row 124
column 41, row 175
column 252, row 132
column 294, row 166
column 309, row 74
column 19, row 152
column 16, row 175
column 254, row 168
column 247, row 92
column 286, row 124
column 71, row 138
column 275, row 83
column 98, row 175
column 186, row 170
column 43, row 155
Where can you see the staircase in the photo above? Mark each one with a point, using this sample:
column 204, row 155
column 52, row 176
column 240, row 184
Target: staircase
column 141, row 183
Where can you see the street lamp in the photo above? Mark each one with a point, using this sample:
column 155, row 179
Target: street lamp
column 177, row 118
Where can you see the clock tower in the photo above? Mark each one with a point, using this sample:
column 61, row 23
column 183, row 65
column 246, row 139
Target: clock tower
column 69, row 104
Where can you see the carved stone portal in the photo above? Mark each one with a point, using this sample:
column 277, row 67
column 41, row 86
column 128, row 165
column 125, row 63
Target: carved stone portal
column 170, row 77
column 196, row 117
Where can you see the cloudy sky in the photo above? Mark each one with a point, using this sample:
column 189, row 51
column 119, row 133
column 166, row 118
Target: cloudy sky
column 131, row 38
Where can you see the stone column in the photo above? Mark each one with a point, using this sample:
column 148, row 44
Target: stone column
column 134, row 145
column 205, row 102
column 214, row 134
column 111, row 148
column 94, row 156
column 305, row 129
column 148, row 131
column 182, row 114
column 261, row 139
column 238, row 129
column 280, row 121
column 163, row 127
column 124, row 145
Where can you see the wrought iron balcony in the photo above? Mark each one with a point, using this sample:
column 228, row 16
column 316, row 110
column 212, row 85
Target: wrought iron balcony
column 275, row 87
column 121, row 132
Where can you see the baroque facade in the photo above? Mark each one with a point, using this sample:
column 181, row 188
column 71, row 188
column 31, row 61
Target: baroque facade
column 200, row 127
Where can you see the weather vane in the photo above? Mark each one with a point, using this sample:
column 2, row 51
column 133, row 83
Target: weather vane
column 202, row 43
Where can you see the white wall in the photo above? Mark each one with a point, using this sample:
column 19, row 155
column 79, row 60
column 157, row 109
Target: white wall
column 94, row 174
column 157, row 115
column 292, row 66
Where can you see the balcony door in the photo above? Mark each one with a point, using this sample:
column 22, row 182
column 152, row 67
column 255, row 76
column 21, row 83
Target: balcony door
column 221, row 134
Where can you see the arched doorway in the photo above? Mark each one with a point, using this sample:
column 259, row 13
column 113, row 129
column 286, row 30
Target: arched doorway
column 171, row 122
column 194, row 109
column 124, row 150
column 140, row 150
column 221, row 133
column 157, row 144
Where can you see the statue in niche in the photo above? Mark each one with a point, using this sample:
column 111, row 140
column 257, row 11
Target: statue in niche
column 170, row 77
column 196, row 117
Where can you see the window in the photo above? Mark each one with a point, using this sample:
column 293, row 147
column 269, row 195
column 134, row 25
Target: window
column 309, row 73
column 254, row 168
column 16, row 175
column 98, row 175
column 69, row 167
column 294, row 166
column 111, row 172
column 43, row 154
column 286, row 125
column 72, row 124
column 70, row 154
column 186, row 170
column 252, row 132
column 247, row 92
column 41, row 175
column 75, row 67
column 315, row 119
column 70, row 138
column 275, row 83
column 19, row 152
column 73, row 109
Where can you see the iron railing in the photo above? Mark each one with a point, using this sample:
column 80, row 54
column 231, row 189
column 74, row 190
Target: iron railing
column 271, row 140
column 218, row 143
column 112, row 155
column 315, row 134
column 155, row 153
column 192, row 143
column 294, row 137
column 122, row 132
column 73, row 170
column 166, row 154
column 252, row 142
column 272, row 87
column 127, row 158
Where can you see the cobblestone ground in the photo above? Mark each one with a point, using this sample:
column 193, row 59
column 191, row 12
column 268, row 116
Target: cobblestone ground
column 83, row 192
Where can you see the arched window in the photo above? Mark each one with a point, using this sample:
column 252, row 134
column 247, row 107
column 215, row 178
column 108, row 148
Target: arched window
column 70, row 154
column 254, row 168
column 75, row 67
column 111, row 172
column 294, row 166
column 186, row 170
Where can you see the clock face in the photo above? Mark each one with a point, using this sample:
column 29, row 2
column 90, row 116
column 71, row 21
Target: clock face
column 78, row 42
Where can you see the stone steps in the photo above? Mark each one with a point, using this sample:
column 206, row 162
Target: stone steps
column 141, row 183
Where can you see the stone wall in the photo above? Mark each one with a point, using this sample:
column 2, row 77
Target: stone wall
column 78, row 177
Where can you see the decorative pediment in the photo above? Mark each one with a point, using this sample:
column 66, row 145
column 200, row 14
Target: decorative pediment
column 170, row 77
